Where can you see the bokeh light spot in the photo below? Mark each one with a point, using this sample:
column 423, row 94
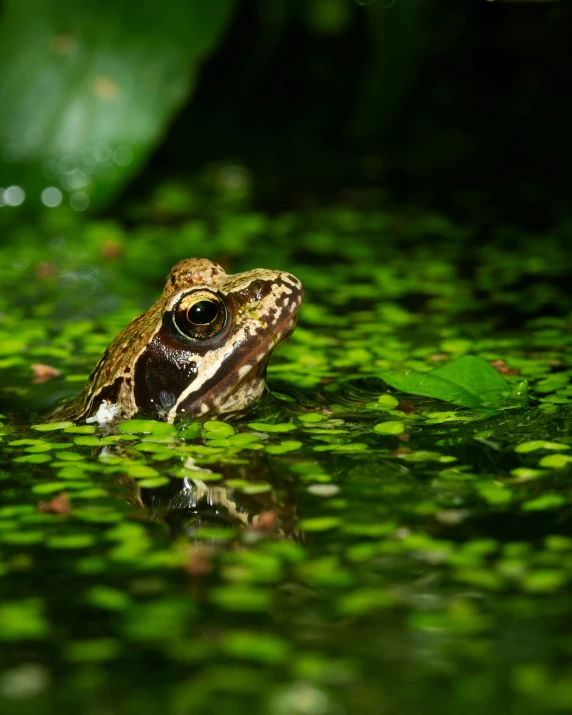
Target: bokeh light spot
column 79, row 201
column 102, row 154
column 123, row 156
column 105, row 88
column 77, row 179
column 14, row 196
column 51, row 196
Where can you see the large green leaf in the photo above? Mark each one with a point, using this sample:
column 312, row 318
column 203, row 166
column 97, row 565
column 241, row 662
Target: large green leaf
column 88, row 86
column 468, row 381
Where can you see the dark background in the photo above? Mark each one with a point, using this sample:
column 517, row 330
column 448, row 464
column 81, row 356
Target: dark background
column 477, row 120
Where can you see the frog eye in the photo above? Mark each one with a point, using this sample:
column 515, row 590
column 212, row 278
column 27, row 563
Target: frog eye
column 199, row 315
column 203, row 313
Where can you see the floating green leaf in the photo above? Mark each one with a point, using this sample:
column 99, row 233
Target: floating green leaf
column 390, row 427
column 264, row 427
column 52, row 426
column 260, row 647
column 555, row 461
column 22, row 620
column 140, row 471
column 546, row 501
column 535, row 444
column 288, row 445
column 97, row 650
column 153, row 483
column 312, row 418
column 107, row 598
column 80, row 429
column 240, row 598
column 214, row 429
column 468, row 381
column 34, row 458
column 320, row 523
column 71, row 541
column 153, row 427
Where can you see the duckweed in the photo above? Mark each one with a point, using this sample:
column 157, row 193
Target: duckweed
column 397, row 504
column 390, row 427
column 271, row 428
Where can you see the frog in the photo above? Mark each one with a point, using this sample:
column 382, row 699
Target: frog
column 202, row 349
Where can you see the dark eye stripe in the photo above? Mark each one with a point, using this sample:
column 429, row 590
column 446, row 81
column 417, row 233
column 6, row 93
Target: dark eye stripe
column 162, row 369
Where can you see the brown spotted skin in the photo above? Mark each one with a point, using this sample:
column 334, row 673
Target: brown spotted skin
column 153, row 367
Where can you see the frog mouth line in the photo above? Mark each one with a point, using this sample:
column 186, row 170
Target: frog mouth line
column 247, row 376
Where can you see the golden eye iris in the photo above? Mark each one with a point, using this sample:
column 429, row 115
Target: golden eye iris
column 199, row 315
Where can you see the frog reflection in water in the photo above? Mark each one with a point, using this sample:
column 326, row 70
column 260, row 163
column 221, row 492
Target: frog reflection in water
column 201, row 349
column 191, row 504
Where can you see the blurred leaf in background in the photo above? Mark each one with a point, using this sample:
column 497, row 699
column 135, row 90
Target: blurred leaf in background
column 87, row 89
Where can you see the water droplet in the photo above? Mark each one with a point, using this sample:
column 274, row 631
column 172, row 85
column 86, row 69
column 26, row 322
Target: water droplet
column 51, row 196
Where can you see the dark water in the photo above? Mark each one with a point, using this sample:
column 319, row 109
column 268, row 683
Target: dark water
column 293, row 560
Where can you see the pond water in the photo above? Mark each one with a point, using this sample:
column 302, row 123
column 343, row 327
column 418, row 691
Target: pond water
column 341, row 548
